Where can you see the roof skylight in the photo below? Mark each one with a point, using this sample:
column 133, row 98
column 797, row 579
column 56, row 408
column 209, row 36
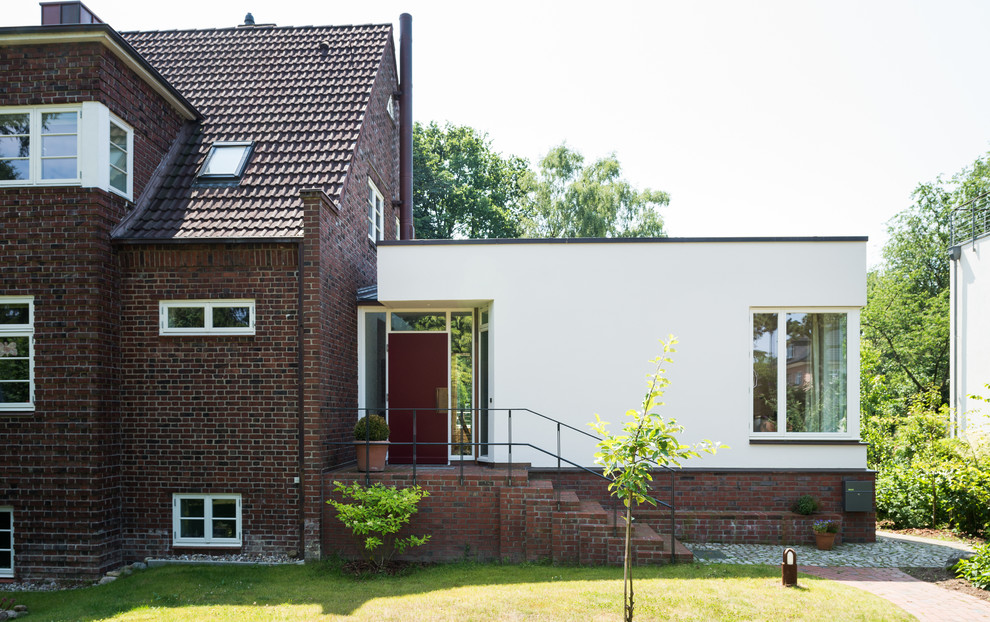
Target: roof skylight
column 226, row 160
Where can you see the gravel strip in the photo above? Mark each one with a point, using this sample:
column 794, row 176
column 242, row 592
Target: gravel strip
column 886, row 552
column 197, row 558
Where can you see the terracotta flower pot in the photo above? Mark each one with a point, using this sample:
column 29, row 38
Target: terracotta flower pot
column 372, row 457
column 824, row 541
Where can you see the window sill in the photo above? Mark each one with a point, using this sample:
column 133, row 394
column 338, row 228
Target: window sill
column 804, row 441
column 206, row 545
column 18, row 412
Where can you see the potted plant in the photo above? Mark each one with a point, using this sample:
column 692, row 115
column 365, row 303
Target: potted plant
column 825, row 531
column 371, row 442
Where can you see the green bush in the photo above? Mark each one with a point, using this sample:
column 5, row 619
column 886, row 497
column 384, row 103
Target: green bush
column 904, row 497
column 961, row 497
column 976, row 570
column 379, row 429
column 375, row 514
column 806, row 504
column 965, row 498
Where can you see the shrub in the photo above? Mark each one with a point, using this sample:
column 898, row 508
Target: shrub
column 976, row 569
column 806, row 504
column 961, row 497
column 375, row 514
column 964, row 498
column 378, row 431
column 904, row 496
column 825, row 526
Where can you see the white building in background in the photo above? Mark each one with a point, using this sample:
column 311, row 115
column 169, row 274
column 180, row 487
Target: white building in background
column 767, row 360
column 969, row 312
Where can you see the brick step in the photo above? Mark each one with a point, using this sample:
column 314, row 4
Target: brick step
column 587, row 533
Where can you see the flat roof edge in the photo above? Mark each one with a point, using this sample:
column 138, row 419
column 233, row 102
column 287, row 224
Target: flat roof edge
column 858, row 238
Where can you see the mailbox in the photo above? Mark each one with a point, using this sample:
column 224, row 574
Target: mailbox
column 857, row 496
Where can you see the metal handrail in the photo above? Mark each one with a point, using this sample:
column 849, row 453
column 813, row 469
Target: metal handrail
column 559, row 424
column 970, row 219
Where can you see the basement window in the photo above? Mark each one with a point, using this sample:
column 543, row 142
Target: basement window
column 206, row 520
column 6, row 542
column 210, row 317
column 226, row 160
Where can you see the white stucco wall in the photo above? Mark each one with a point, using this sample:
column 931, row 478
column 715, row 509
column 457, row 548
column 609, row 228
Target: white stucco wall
column 970, row 346
column 574, row 324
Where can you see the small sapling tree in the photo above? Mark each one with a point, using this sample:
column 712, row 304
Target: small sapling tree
column 628, row 458
column 375, row 514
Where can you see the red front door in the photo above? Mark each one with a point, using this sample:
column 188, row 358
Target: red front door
column 417, row 382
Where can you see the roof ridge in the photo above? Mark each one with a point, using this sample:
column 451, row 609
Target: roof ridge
column 256, row 28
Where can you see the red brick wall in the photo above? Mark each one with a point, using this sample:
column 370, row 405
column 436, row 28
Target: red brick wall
column 63, row 479
column 484, row 518
column 742, row 497
column 79, row 72
column 126, row 417
column 337, row 244
column 209, row 413
column 60, row 475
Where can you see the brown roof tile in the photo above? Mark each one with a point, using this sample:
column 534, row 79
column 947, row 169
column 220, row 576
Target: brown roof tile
column 301, row 105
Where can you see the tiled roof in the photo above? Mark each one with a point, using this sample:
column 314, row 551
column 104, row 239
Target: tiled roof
column 300, row 93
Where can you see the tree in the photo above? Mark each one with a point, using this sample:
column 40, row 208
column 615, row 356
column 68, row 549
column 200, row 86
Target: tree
column 906, row 319
column 463, row 189
column 647, row 440
column 571, row 200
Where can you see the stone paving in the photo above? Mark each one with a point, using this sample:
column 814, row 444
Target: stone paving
column 870, row 567
column 889, row 551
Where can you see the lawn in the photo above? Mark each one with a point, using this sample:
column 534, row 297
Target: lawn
column 458, row 592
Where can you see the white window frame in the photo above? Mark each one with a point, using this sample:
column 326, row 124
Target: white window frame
column 34, row 156
column 207, row 540
column 128, row 192
column 238, row 170
column 852, row 375
column 208, row 307
column 92, row 147
column 21, row 330
column 6, row 573
column 376, row 213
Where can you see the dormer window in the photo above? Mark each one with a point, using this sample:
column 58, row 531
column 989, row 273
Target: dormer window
column 226, row 160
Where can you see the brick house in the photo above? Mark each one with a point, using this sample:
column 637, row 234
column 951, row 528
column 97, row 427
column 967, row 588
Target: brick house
column 187, row 218
column 202, row 286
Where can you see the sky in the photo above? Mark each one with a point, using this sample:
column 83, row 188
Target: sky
column 760, row 118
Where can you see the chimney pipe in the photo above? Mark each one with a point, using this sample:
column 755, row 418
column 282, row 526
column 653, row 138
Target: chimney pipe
column 406, row 230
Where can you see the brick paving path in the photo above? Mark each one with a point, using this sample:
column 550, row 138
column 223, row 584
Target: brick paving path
column 925, row 601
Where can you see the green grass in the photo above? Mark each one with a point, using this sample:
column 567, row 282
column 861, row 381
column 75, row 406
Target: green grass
column 460, row 592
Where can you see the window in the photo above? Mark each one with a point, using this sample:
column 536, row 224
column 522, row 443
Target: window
column 82, row 144
column 120, row 158
column 405, row 321
column 196, row 317
column 390, row 108
column 16, row 353
column 807, row 391
column 225, row 160
column 6, row 542
column 39, row 146
column 206, row 520
column 376, row 213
